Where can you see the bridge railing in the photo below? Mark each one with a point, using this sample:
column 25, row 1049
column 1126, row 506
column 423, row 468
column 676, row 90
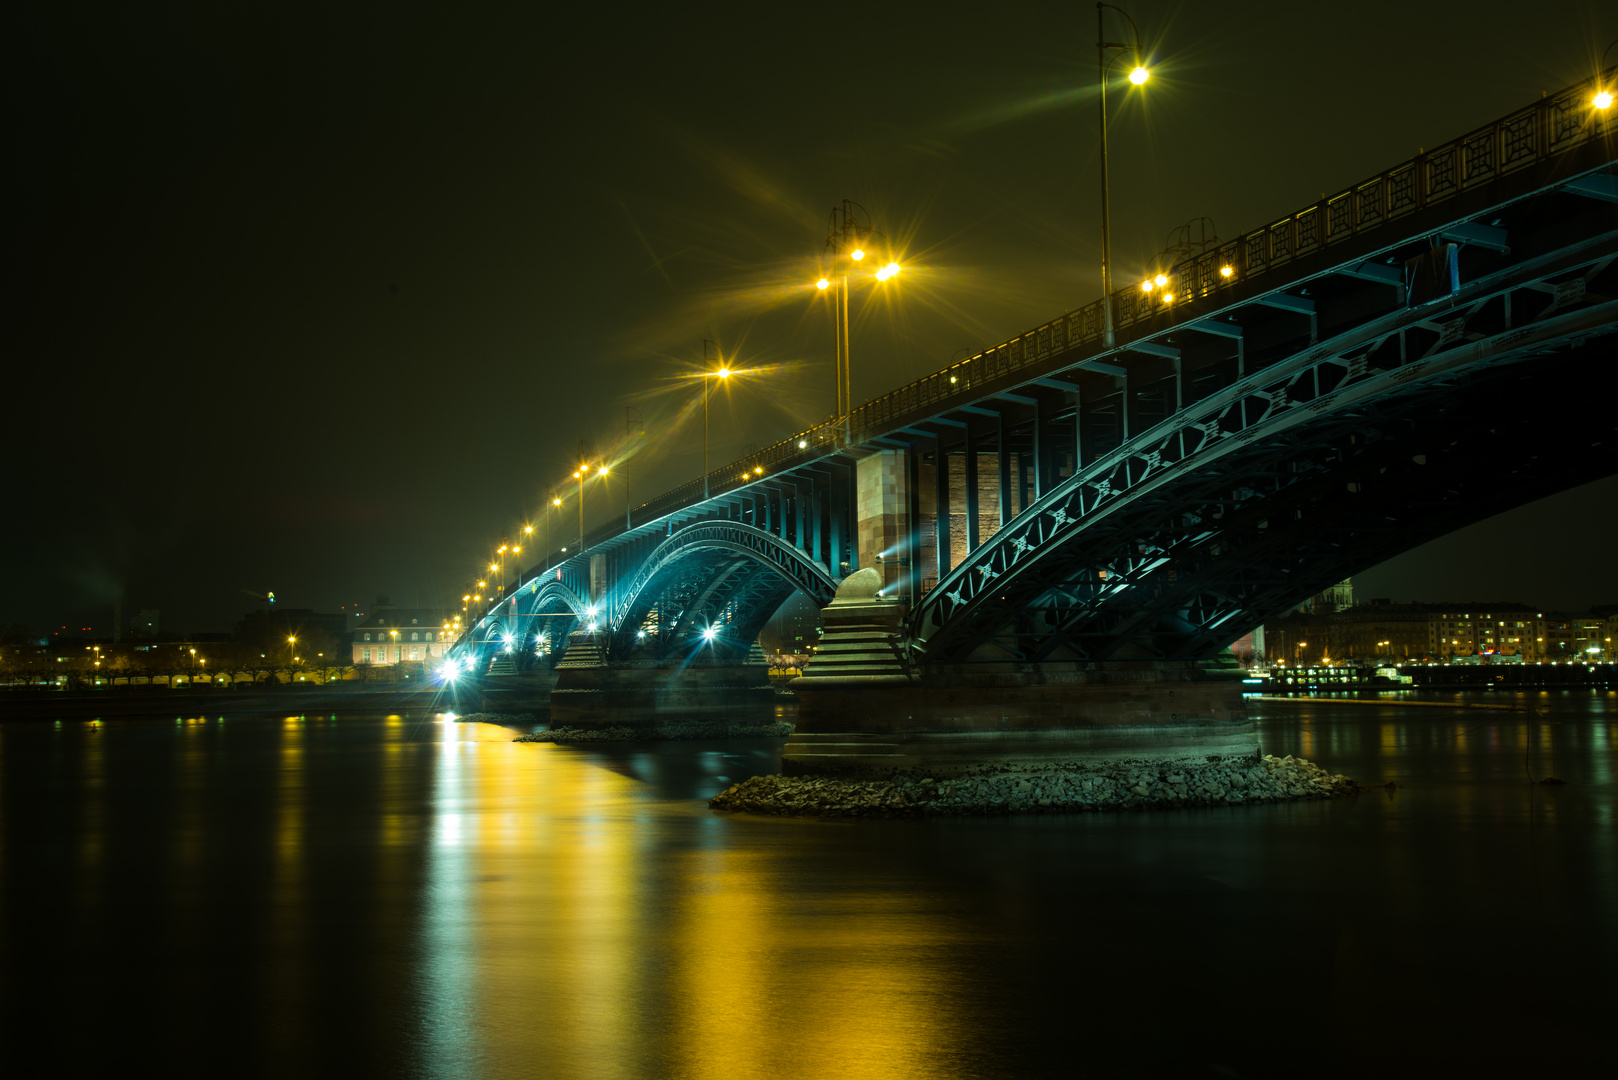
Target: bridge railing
column 1553, row 125
column 800, row 447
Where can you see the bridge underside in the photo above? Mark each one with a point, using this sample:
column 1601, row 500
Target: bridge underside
column 713, row 606
column 1181, row 573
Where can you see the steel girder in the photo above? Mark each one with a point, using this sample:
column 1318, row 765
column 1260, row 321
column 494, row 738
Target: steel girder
column 712, row 573
column 1057, row 581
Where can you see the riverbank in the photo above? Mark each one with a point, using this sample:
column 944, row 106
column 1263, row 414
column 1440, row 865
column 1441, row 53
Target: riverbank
column 1138, row 785
column 24, row 706
column 665, row 732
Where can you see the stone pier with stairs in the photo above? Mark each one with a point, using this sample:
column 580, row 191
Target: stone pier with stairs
column 864, row 711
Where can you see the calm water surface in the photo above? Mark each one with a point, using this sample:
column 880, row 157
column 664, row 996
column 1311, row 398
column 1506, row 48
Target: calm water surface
column 366, row 895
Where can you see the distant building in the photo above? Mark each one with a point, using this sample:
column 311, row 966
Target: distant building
column 403, row 635
column 1381, row 630
column 1478, row 629
column 1572, row 636
column 794, row 629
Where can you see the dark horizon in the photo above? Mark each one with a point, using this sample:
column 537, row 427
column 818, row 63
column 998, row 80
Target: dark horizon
column 327, row 312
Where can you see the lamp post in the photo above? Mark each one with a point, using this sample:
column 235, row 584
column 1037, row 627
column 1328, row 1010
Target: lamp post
column 846, row 235
column 722, row 372
column 556, row 501
column 1137, row 76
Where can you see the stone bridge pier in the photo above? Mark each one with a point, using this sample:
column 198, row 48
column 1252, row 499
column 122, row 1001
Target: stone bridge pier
column 594, row 693
column 864, row 712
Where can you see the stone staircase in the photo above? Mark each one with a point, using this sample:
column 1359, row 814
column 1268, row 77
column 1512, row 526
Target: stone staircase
column 584, row 650
column 862, row 634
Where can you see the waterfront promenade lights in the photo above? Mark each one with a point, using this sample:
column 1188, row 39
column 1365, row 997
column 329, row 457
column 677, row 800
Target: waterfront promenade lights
column 849, row 236
column 1137, row 76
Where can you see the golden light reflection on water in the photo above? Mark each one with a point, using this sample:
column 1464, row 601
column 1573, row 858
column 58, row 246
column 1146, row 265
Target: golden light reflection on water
column 552, row 890
column 93, row 825
column 188, row 830
column 878, row 1005
column 285, row 942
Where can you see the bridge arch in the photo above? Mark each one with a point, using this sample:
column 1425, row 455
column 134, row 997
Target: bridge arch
column 545, row 612
column 515, row 618
column 716, row 573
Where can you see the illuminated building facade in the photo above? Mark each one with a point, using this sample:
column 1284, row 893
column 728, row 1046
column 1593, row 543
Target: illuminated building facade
column 404, row 635
column 1382, row 631
column 1583, row 635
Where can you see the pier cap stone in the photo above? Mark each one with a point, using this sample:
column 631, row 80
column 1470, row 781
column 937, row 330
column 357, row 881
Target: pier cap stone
column 861, row 585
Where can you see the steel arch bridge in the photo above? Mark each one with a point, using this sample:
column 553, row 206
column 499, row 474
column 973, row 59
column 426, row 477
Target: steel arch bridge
column 1297, row 404
column 723, row 577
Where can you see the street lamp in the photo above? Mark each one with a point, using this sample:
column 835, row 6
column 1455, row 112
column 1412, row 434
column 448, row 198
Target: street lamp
column 550, row 512
column 846, row 235
column 1138, row 77
column 722, row 372
column 1603, row 98
column 582, row 473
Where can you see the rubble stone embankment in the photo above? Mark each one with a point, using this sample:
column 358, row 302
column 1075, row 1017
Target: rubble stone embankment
column 1076, row 788
column 496, row 718
column 669, row 731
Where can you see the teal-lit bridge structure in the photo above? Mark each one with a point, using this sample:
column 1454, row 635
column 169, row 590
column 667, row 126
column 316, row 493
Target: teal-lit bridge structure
column 1416, row 352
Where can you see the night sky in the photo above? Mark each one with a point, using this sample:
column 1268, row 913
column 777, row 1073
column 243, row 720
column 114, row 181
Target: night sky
column 321, row 299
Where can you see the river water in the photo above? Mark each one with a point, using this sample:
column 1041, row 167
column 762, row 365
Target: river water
column 367, row 895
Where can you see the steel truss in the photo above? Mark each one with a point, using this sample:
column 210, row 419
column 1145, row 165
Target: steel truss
column 1069, row 578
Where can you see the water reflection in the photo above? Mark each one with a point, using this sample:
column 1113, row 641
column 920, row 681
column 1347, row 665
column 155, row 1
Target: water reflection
column 285, row 944
column 406, row 895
